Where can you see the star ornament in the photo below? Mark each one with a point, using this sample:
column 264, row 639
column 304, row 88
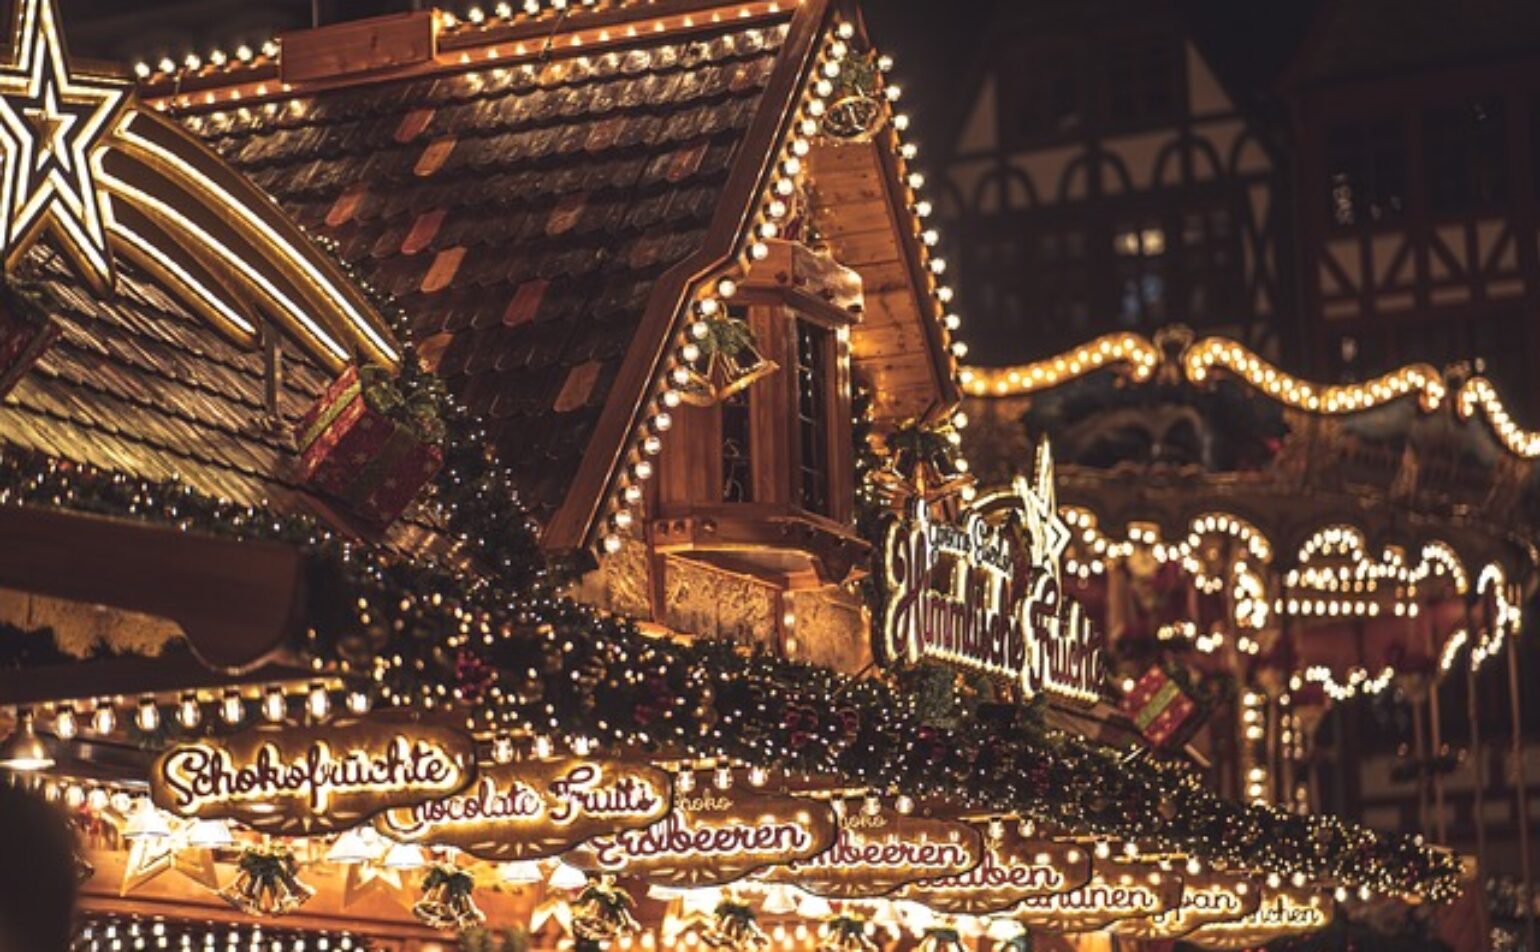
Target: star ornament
column 53, row 124
column 1047, row 532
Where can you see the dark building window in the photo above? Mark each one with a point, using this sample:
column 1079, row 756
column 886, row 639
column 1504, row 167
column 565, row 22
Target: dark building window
column 813, row 345
column 737, row 454
column 1143, row 83
column 1042, row 95
column 1366, row 171
column 1467, row 155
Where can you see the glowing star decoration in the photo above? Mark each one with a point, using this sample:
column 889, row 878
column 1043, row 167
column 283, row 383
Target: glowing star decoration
column 53, row 126
column 291, row 780
column 879, row 851
column 536, row 808
column 151, row 857
column 1206, row 899
column 985, row 592
column 713, row 837
column 368, row 879
column 1014, row 868
column 82, row 162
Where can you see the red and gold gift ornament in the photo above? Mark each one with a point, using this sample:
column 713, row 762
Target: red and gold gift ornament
column 26, row 330
column 1159, row 707
column 373, row 441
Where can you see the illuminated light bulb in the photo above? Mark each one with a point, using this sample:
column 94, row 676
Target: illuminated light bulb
column 231, row 708
column 543, row 747
column 661, row 421
column 689, row 353
column 104, row 719
column 142, row 70
column 274, row 707
column 502, row 749
column 904, row 804
column 358, row 702
column 1103, row 849
column 952, row 322
column 188, row 711
column 757, row 776
column 680, row 375
column 65, row 724
column 685, row 782
column 622, row 518
column 244, row 53
column 722, row 779
column 319, row 702
column 727, row 287
column 97, row 799
column 632, row 495
column 148, row 716
column 167, row 65
column 652, row 446
column 759, row 251
column 192, row 61
column 270, row 49
column 642, row 470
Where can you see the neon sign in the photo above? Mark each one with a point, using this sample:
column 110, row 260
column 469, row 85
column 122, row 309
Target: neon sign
column 1013, row 868
column 1128, row 891
column 536, row 808
column 1206, row 899
column 880, row 850
column 1281, row 912
column 985, row 593
column 294, row 780
column 714, row 837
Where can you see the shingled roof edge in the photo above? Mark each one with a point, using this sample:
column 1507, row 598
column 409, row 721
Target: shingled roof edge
column 571, row 526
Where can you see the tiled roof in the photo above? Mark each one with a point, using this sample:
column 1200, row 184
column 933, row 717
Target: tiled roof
column 521, row 216
column 140, row 385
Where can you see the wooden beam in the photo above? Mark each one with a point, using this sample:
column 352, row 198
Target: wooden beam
column 237, row 602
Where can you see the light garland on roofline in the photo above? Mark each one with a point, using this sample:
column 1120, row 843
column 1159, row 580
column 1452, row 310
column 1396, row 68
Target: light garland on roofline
column 1134, row 350
column 711, row 298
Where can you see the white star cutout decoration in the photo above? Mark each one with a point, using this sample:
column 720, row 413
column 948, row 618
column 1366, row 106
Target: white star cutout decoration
column 1046, row 529
column 52, row 127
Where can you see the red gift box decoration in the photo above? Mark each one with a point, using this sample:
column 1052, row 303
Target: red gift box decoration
column 26, row 331
column 1159, row 707
column 355, row 453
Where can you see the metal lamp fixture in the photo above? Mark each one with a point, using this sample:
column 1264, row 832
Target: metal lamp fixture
column 24, row 750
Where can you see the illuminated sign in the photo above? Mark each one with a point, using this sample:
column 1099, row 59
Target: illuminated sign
column 984, row 593
column 1281, row 912
column 1014, row 868
column 1125, row 891
column 1206, row 899
column 84, row 162
column 711, row 837
column 880, row 850
column 535, row 808
column 294, row 780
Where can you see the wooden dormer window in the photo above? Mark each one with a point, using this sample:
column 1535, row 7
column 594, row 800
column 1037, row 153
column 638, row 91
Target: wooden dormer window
column 763, row 479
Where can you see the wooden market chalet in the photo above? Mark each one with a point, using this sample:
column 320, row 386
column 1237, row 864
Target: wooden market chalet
column 667, row 265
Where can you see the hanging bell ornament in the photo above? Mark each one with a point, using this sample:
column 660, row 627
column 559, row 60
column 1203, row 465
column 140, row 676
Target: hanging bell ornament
column 855, row 112
column 735, row 928
column 446, row 900
column 921, row 465
column 603, row 911
column 940, row 938
column 267, row 883
column 846, row 933
column 733, row 362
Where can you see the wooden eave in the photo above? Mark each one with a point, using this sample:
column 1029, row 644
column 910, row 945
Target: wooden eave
column 861, row 206
column 237, row 602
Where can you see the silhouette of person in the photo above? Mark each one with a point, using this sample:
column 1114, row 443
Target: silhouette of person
column 37, row 874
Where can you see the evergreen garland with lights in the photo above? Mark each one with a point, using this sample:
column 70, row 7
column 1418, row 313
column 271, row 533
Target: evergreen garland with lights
column 481, row 630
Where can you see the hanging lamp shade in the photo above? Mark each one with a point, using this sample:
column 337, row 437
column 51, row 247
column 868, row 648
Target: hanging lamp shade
column 25, row 751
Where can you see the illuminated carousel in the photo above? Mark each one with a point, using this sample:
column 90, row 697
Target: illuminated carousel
column 1305, row 543
column 324, row 642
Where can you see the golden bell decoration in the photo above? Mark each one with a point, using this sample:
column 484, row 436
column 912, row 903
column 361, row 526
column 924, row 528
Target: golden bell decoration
column 446, row 900
column 855, row 112
column 921, row 464
column 267, row 883
column 733, row 362
column 735, row 928
column 940, row 938
column 846, row 933
column 603, row 911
